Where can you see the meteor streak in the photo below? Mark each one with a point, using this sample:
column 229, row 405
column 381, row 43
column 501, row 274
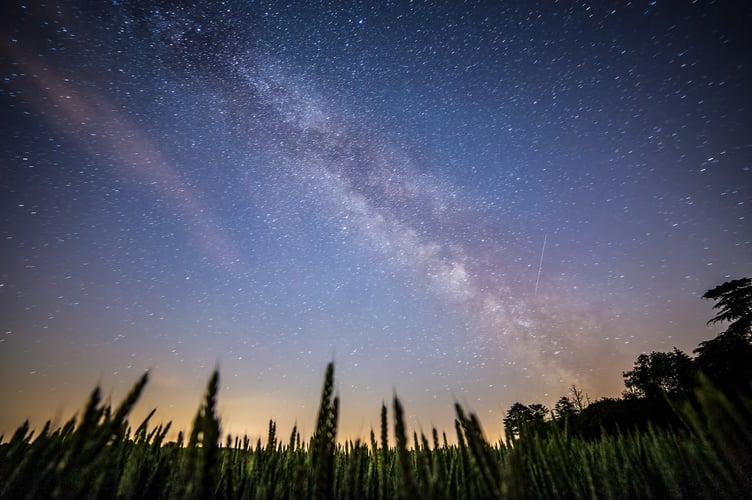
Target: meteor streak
column 540, row 264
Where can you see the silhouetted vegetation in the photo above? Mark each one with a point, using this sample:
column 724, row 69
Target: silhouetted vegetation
column 660, row 382
column 670, row 436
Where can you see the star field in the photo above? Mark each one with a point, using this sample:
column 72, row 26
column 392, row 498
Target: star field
column 475, row 201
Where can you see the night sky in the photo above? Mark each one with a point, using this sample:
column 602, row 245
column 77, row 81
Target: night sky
column 482, row 202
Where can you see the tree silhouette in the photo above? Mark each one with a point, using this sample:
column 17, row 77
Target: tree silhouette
column 659, row 372
column 727, row 359
column 538, row 412
column 520, row 416
column 564, row 407
column 579, row 399
column 734, row 299
column 517, row 416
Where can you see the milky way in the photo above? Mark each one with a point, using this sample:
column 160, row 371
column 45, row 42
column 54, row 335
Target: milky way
column 471, row 201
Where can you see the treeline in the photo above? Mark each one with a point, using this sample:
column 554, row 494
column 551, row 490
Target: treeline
column 659, row 382
column 707, row 455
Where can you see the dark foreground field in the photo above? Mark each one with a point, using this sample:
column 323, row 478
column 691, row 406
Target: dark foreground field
column 708, row 455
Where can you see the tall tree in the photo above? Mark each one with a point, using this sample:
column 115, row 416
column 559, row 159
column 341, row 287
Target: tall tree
column 517, row 416
column 579, row 399
column 564, row 407
column 659, row 372
column 520, row 415
column 538, row 412
column 727, row 359
column 734, row 302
